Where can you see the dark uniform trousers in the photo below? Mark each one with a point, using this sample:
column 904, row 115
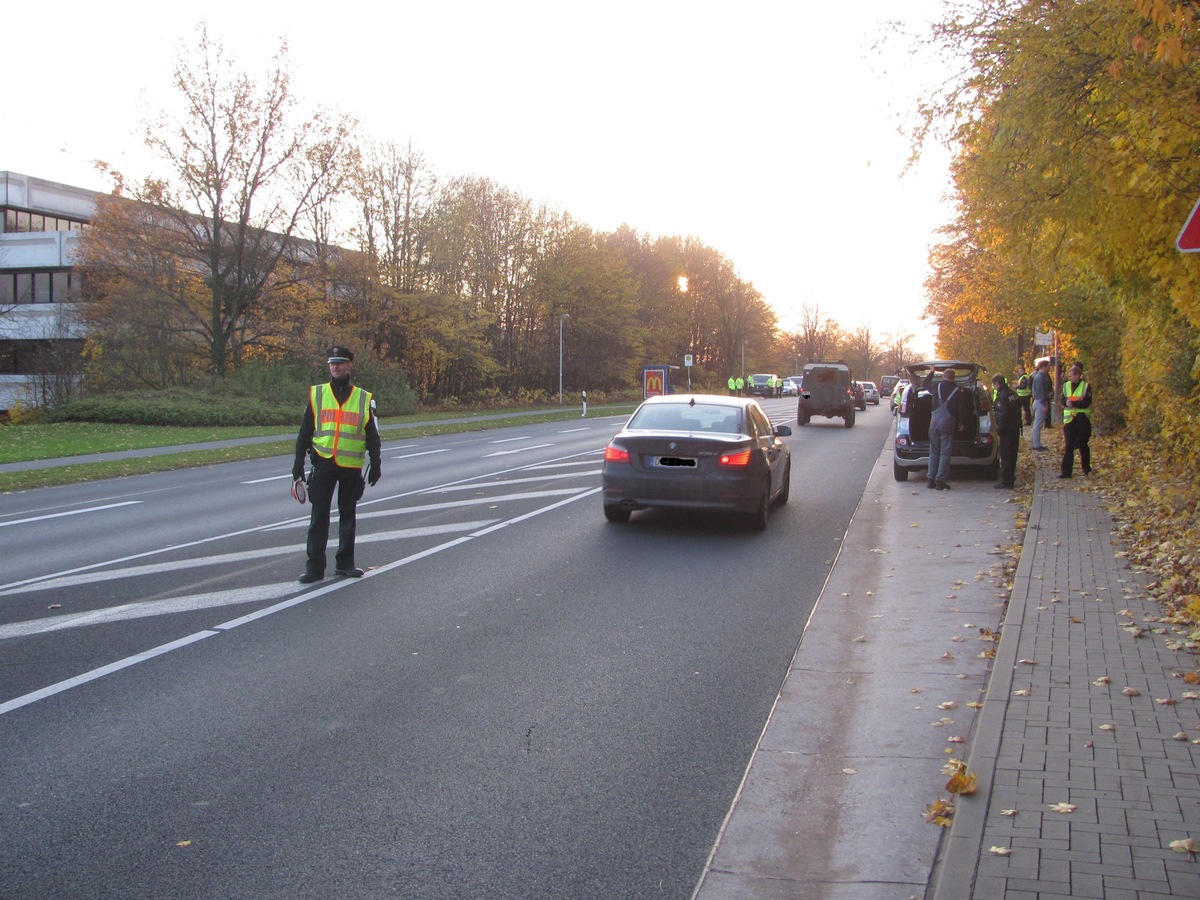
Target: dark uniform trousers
column 1076, row 435
column 326, row 476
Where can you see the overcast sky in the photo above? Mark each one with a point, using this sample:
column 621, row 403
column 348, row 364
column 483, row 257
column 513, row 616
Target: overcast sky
column 768, row 130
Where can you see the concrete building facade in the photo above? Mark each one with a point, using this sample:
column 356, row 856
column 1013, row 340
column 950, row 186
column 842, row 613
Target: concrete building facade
column 40, row 291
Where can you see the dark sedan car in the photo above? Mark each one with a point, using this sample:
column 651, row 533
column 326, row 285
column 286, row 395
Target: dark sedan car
column 697, row 451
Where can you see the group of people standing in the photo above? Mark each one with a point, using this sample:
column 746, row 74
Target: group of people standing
column 1011, row 408
column 1028, row 401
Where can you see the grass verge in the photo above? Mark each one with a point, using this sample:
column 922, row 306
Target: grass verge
column 93, row 471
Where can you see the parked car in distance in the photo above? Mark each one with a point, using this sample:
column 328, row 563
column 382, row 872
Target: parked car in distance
column 870, row 392
column 697, row 452
column 975, row 446
column 761, row 385
column 887, row 384
column 826, row 389
column 791, row 386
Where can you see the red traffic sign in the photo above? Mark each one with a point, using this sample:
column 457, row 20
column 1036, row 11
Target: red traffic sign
column 1189, row 239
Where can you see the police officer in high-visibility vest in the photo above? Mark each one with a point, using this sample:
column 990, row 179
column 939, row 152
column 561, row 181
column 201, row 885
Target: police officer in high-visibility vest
column 1077, row 422
column 1024, row 392
column 740, row 385
column 732, row 385
column 339, row 433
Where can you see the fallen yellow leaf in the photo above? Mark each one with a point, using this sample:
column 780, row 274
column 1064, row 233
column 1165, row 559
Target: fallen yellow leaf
column 1187, row 845
column 962, row 783
column 1000, row 851
column 1063, row 807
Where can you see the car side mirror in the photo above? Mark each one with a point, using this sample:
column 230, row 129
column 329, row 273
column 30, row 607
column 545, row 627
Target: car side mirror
column 783, row 431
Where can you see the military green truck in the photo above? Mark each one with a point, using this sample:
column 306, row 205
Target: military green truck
column 826, row 389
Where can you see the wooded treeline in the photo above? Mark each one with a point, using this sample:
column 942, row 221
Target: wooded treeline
column 1078, row 133
column 275, row 232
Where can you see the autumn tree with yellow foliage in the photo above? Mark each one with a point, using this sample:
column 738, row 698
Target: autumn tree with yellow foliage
column 1077, row 127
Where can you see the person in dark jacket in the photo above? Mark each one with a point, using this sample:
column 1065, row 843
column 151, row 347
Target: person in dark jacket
column 339, row 433
column 1007, row 410
column 1077, row 422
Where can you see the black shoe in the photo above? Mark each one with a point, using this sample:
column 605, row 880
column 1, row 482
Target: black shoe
column 1064, row 476
column 932, row 484
column 943, row 485
column 349, row 573
column 1041, row 448
column 310, row 577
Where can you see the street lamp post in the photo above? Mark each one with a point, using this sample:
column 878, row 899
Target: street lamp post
column 562, row 318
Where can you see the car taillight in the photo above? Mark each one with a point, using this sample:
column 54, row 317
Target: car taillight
column 735, row 459
column 615, row 454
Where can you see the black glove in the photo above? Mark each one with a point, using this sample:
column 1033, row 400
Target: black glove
column 298, row 472
column 374, row 474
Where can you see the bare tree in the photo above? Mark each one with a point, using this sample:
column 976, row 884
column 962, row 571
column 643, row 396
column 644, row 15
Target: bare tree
column 244, row 174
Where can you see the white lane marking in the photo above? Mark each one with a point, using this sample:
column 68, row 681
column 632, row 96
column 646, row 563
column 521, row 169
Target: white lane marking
column 148, row 608
column 422, row 453
column 524, row 437
column 518, row 450
column 270, row 478
column 258, row 528
column 508, row 481
column 26, row 699
column 435, row 507
column 73, row 512
column 240, row 556
column 562, row 465
column 573, row 430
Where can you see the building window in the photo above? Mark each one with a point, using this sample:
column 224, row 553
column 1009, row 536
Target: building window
column 15, row 221
column 52, row 286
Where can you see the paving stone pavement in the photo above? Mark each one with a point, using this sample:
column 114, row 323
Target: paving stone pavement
column 1054, row 731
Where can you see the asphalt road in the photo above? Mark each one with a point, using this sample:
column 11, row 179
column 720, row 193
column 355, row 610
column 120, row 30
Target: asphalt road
column 520, row 700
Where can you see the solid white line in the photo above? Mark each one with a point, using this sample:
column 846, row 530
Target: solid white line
column 508, row 481
column 144, row 610
column 510, row 440
column 226, row 558
column 271, row 478
column 269, row 527
column 518, row 450
column 339, row 584
column 73, row 512
column 25, row 700
column 573, row 430
column 422, row 453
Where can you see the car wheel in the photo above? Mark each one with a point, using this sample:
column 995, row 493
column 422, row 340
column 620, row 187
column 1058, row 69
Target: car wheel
column 850, row 419
column 899, row 472
column 802, row 419
column 758, row 518
column 616, row 513
column 787, row 485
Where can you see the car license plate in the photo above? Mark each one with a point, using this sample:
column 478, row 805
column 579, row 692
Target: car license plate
column 675, row 462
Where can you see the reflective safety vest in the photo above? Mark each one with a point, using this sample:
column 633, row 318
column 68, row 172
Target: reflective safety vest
column 341, row 430
column 1075, row 393
column 1022, row 387
column 732, row 383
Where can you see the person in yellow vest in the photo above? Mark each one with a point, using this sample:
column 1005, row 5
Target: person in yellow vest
column 1024, row 391
column 1077, row 422
column 339, row 433
column 732, row 385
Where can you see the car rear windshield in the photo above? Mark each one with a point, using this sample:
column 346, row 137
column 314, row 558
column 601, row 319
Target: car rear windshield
column 685, row 417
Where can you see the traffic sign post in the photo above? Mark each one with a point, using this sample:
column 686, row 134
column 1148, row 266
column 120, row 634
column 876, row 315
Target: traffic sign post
column 1189, row 238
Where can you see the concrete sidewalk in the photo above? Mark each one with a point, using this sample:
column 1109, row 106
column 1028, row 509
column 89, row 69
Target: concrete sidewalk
column 877, row 700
